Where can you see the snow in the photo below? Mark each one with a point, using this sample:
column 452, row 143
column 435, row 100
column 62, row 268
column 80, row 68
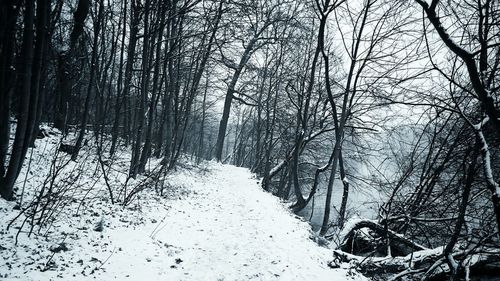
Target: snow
column 488, row 172
column 345, row 180
column 214, row 223
column 481, row 124
column 350, row 224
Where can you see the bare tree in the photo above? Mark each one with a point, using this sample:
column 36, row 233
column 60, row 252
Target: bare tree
column 481, row 65
column 270, row 15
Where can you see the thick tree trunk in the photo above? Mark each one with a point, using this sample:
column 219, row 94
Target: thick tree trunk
column 36, row 77
column 43, row 34
column 23, row 90
column 298, row 207
column 294, row 165
column 9, row 10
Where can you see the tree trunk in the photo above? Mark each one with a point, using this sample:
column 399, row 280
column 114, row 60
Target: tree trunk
column 9, row 10
column 468, row 181
column 146, row 151
column 90, row 88
column 229, row 98
column 119, row 94
column 139, row 119
column 328, row 202
column 201, row 141
column 65, row 66
column 345, row 193
column 23, row 90
column 43, row 34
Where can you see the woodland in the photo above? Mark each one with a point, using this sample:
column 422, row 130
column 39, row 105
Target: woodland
column 376, row 121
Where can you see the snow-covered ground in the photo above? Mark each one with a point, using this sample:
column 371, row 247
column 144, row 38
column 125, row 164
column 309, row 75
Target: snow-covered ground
column 214, row 224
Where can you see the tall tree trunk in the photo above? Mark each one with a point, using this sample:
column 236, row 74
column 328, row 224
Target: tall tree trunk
column 468, row 181
column 328, row 202
column 341, row 120
column 146, row 151
column 119, row 94
column 201, row 138
column 229, row 98
column 43, row 33
column 205, row 54
column 483, row 93
column 9, row 10
column 66, row 64
column 139, row 118
column 134, row 30
column 90, row 88
column 23, row 90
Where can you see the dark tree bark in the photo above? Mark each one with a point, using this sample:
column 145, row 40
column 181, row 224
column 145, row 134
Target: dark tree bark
column 79, row 17
column 350, row 90
column 229, row 98
column 345, row 192
column 201, row 139
column 140, row 111
column 470, row 174
column 8, row 12
column 119, row 94
column 483, row 93
column 92, row 78
column 43, row 35
column 66, row 66
column 146, row 151
column 23, row 90
column 481, row 84
column 134, row 30
column 204, row 55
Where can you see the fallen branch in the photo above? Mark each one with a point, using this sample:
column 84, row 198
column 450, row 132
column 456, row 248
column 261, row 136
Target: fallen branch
column 397, row 242
column 419, row 261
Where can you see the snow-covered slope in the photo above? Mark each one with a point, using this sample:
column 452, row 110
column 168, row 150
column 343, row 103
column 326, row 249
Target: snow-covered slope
column 218, row 225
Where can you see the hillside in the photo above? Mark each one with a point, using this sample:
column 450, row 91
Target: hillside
column 213, row 222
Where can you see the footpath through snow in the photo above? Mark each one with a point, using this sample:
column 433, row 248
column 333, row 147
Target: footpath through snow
column 228, row 229
column 222, row 226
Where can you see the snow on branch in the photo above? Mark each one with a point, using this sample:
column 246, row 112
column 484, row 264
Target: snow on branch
column 417, row 260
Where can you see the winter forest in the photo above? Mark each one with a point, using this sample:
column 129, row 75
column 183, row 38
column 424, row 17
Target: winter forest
column 250, row 140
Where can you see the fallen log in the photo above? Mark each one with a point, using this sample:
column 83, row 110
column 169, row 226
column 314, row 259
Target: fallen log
column 363, row 242
column 399, row 244
column 425, row 265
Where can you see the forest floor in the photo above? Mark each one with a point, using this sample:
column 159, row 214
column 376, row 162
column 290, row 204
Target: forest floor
column 213, row 223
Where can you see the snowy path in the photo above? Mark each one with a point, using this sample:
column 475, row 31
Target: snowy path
column 230, row 230
column 224, row 228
